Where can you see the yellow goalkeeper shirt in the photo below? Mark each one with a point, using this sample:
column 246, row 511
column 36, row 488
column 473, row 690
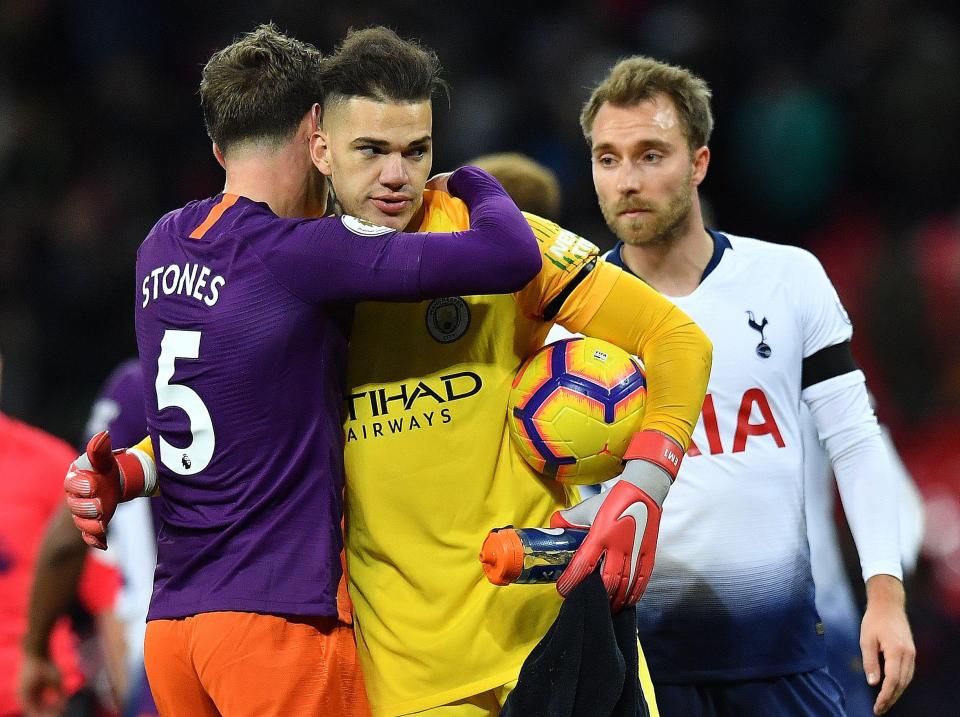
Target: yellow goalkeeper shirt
column 430, row 469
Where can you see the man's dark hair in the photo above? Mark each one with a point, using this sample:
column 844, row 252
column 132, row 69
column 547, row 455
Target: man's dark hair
column 376, row 64
column 259, row 87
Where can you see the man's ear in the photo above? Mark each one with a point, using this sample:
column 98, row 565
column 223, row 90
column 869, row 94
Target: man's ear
column 219, row 155
column 701, row 160
column 320, row 152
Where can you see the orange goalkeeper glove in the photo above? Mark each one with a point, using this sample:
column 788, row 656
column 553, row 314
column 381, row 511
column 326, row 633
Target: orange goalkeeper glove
column 623, row 522
column 99, row 479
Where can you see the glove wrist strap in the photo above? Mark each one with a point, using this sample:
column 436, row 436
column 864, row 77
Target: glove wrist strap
column 138, row 475
column 657, row 448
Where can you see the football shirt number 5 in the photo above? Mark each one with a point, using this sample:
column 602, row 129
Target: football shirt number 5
column 195, row 457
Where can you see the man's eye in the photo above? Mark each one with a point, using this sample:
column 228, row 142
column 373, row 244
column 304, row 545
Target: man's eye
column 369, row 150
column 606, row 161
column 416, row 153
column 652, row 157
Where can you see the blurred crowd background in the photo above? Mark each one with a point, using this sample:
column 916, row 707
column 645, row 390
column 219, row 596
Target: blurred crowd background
column 837, row 129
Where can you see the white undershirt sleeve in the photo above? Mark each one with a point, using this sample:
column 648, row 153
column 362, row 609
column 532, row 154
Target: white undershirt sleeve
column 912, row 520
column 848, row 429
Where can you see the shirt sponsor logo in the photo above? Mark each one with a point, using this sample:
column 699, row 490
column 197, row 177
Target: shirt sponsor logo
column 448, row 319
column 753, row 403
column 418, row 405
column 363, row 227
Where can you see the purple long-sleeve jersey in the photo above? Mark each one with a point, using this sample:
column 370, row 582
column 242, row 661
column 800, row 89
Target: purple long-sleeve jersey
column 242, row 321
column 119, row 406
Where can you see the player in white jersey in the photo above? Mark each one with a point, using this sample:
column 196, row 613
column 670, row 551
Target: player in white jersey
column 836, row 603
column 728, row 620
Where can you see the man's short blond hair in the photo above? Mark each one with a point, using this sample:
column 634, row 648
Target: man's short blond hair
column 533, row 187
column 637, row 79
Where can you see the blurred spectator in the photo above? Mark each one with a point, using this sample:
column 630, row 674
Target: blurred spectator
column 32, row 465
column 532, row 186
column 119, row 409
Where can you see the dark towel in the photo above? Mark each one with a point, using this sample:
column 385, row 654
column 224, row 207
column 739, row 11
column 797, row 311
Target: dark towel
column 585, row 666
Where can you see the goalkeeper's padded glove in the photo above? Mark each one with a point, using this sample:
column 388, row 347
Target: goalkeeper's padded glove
column 623, row 522
column 99, row 479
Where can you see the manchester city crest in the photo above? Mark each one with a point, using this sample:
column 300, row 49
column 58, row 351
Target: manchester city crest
column 448, row 318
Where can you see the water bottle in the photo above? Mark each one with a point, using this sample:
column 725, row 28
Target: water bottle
column 528, row 555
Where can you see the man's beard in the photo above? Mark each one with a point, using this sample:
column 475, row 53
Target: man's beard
column 663, row 226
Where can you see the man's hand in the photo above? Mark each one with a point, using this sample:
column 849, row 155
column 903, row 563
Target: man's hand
column 623, row 523
column 40, row 689
column 96, row 482
column 438, row 182
column 885, row 630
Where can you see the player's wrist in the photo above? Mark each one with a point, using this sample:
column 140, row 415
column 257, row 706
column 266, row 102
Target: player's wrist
column 138, row 474
column 647, row 477
column 657, row 448
column 886, row 590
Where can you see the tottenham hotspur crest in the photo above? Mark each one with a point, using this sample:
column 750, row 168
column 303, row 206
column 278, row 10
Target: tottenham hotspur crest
column 763, row 348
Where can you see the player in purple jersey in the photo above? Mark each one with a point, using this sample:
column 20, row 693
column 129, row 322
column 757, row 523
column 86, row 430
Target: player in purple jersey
column 728, row 618
column 242, row 315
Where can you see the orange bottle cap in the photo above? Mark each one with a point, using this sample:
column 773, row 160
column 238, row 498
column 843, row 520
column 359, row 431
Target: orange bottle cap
column 502, row 556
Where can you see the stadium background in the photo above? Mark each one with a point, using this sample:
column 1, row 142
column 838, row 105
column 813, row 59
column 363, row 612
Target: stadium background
column 836, row 130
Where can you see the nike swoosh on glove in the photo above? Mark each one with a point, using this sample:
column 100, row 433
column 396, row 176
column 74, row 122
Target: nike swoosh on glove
column 623, row 522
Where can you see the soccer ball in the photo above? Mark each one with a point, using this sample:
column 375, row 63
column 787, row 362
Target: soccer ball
column 573, row 408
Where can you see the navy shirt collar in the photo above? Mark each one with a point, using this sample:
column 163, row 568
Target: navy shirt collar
column 720, row 244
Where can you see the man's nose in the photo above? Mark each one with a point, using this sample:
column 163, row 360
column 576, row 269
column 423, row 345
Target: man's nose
column 629, row 179
column 394, row 173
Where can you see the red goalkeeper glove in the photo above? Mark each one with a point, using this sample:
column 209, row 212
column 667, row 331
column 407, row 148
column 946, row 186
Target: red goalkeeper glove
column 623, row 522
column 100, row 479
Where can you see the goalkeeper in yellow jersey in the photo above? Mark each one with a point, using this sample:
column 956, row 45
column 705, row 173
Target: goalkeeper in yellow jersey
column 429, row 464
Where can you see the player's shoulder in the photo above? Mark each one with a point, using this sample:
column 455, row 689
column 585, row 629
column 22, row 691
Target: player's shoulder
column 230, row 213
column 174, row 221
column 34, row 444
column 543, row 229
column 442, row 209
column 442, row 201
column 560, row 247
column 772, row 255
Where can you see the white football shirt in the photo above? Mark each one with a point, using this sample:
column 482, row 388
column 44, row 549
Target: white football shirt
column 731, row 596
